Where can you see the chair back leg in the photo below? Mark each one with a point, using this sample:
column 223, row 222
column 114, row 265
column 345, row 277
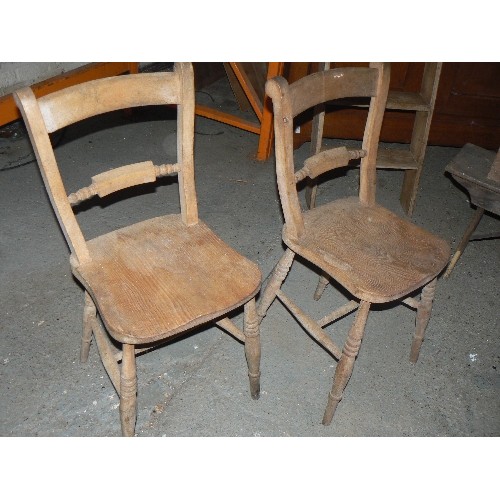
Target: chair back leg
column 89, row 312
column 322, row 284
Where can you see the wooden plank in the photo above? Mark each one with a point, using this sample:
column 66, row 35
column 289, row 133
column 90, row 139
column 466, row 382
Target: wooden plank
column 409, row 101
column 238, row 92
column 248, row 88
column 221, row 116
column 396, row 100
column 400, row 159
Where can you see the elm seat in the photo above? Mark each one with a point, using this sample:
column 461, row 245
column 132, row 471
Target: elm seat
column 376, row 255
column 137, row 278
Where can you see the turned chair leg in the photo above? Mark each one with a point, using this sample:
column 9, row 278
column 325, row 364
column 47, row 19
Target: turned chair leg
column 89, row 312
column 346, row 362
column 252, row 347
column 423, row 315
column 465, row 239
column 128, row 391
column 322, row 283
column 277, row 278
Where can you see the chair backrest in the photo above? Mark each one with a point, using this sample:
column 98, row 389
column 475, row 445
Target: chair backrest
column 308, row 92
column 64, row 107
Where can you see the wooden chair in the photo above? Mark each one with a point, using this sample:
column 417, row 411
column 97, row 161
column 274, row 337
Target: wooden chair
column 158, row 278
column 478, row 171
column 374, row 254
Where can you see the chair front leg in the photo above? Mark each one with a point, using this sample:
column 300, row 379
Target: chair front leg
column 252, row 347
column 277, row 278
column 89, row 312
column 346, row 362
column 423, row 316
column 128, row 391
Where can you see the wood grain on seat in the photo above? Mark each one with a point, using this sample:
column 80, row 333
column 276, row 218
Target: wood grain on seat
column 373, row 253
column 160, row 277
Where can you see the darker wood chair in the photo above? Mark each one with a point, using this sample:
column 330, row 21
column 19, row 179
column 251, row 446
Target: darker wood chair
column 478, row 171
column 375, row 255
column 157, row 278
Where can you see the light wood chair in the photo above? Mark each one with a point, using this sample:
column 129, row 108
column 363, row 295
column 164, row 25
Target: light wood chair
column 154, row 279
column 374, row 254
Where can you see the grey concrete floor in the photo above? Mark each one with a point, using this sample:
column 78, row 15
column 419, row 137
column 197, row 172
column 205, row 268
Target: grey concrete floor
column 197, row 386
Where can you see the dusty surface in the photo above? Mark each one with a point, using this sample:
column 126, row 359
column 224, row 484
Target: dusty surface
column 198, row 386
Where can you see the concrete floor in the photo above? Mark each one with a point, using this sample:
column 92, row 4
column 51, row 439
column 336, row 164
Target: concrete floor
column 198, row 386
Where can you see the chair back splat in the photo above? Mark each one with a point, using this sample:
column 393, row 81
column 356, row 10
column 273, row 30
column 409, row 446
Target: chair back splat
column 372, row 253
column 154, row 279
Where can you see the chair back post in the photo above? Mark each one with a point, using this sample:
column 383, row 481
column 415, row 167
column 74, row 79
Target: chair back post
column 185, row 143
column 277, row 89
column 368, row 173
column 39, row 136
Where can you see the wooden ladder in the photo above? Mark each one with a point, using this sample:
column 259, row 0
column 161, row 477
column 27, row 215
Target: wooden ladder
column 411, row 160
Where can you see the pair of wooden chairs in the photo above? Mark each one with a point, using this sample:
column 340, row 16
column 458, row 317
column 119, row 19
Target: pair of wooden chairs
column 162, row 277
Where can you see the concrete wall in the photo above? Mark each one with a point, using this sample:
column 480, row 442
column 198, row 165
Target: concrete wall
column 15, row 75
